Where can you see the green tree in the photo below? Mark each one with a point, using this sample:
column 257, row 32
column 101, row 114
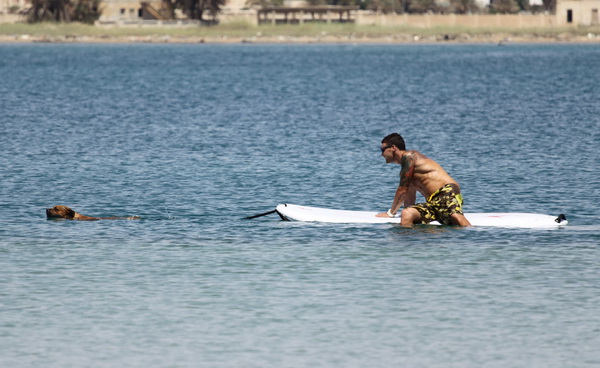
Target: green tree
column 264, row 3
column 423, row 6
column 342, row 2
column 86, row 11
column 49, row 11
column 549, row 5
column 523, row 4
column 505, row 6
column 197, row 9
column 386, row 6
column 378, row 6
column 464, row 6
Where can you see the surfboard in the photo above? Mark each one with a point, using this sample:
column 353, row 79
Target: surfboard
column 293, row 212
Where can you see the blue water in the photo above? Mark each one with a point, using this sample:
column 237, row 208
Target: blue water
column 194, row 137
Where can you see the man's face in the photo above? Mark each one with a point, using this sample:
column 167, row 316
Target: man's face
column 387, row 151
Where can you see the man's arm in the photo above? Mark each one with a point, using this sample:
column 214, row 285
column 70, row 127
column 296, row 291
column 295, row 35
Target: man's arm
column 403, row 193
column 411, row 196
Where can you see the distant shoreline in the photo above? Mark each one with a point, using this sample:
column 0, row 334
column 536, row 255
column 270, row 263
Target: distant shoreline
column 409, row 39
column 313, row 34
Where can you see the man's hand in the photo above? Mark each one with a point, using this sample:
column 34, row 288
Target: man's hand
column 383, row 214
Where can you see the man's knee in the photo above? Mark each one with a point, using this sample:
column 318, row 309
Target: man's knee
column 410, row 216
column 459, row 219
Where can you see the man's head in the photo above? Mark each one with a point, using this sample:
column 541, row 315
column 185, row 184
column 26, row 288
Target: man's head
column 394, row 139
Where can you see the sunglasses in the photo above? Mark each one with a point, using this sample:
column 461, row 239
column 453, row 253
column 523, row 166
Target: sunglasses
column 384, row 148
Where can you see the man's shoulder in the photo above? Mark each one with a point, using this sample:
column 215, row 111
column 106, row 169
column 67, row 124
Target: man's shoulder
column 414, row 154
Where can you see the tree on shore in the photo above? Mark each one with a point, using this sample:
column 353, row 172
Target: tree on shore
column 425, row 6
column 549, row 5
column 523, row 5
column 49, row 11
column 464, row 6
column 505, row 6
column 197, row 9
column 362, row 4
column 387, row 6
column 86, row 11
column 264, row 3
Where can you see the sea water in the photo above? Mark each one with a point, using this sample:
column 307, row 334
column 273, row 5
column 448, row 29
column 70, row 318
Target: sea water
column 194, row 137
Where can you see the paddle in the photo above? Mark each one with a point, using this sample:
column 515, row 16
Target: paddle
column 265, row 214
column 259, row 215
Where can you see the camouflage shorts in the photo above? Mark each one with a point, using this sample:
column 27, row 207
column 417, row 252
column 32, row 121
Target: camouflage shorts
column 441, row 205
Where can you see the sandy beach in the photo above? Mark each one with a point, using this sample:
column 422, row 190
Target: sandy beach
column 325, row 39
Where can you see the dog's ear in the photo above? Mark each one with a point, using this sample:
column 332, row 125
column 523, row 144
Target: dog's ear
column 65, row 212
column 70, row 213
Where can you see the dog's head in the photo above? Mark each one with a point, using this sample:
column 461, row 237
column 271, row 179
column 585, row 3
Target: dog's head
column 60, row 212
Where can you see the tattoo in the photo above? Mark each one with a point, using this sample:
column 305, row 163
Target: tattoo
column 408, row 167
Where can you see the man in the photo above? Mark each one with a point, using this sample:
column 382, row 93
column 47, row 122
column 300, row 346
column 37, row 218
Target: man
column 422, row 174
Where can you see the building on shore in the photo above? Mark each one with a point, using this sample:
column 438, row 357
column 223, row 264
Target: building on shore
column 577, row 12
column 131, row 10
column 306, row 14
column 569, row 13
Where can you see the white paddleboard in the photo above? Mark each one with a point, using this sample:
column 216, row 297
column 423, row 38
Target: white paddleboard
column 315, row 214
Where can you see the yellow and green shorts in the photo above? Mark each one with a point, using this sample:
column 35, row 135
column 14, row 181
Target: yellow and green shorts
column 441, row 205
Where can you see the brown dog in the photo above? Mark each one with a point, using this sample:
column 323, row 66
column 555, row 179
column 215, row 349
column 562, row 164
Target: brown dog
column 64, row 212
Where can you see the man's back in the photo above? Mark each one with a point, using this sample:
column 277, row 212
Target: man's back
column 428, row 175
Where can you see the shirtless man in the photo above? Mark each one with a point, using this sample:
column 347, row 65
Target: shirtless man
column 422, row 174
